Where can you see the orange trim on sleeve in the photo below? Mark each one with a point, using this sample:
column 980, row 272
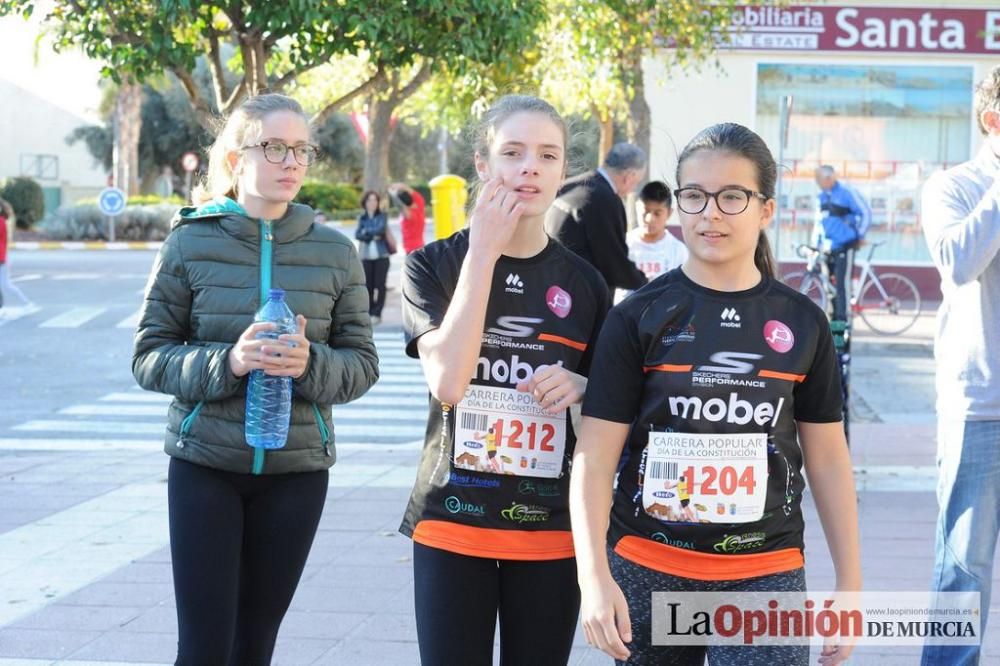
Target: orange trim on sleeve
column 548, row 337
column 494, row 543
column 707, row 566
column 666, row 367
column 788, row 376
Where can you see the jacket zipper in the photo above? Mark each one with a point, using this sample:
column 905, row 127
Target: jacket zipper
column 324, row 432
column 188, row 423
column 265, row 286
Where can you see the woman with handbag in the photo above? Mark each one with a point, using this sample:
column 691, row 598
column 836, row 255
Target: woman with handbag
column 376, row 245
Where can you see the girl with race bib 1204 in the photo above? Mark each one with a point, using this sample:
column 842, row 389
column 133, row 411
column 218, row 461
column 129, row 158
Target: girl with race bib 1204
column 722, row 383
column 503, row 320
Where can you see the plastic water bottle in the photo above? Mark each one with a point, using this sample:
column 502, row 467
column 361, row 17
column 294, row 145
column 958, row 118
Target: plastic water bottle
column 269, row 398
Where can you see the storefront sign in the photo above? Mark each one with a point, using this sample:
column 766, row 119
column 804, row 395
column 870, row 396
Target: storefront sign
column 877, row 29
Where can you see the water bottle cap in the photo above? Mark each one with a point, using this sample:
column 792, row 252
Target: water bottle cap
column 276, row 294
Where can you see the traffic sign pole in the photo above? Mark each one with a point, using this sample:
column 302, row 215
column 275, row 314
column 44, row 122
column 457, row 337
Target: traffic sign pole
column 189, row 161
column 111, row 201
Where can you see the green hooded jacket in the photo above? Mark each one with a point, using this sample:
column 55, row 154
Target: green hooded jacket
column 208, row 281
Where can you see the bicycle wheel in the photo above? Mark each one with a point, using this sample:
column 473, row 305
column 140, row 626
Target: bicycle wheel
column 891, row 312
column 808, row 284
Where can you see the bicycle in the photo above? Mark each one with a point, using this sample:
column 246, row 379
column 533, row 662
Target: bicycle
column 888, row 303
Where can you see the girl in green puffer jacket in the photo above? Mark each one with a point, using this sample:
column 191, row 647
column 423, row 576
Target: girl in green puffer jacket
column 242, row 523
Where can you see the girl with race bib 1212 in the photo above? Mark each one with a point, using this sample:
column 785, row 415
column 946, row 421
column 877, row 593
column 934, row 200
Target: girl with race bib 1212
column 503, row 320
column 723, row 383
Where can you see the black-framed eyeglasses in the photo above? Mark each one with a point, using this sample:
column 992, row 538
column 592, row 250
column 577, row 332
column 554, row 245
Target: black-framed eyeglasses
column 731, row 201
column 276, row 151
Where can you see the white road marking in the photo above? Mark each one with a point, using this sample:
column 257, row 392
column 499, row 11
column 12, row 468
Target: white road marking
column 73, row 318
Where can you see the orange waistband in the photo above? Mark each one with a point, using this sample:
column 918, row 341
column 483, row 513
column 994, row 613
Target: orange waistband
column 494, row 543
column 707, row 566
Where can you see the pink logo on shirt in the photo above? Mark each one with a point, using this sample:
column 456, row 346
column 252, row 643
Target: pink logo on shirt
column 559, row 301
column 778, row 336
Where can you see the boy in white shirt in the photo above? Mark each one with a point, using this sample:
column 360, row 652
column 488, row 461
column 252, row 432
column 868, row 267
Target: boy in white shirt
column 650, row 246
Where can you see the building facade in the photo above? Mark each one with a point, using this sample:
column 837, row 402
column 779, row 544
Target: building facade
column 47, row 95
column 881, row 91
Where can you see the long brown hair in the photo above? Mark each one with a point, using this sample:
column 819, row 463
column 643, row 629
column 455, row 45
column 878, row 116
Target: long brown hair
column 739, row 140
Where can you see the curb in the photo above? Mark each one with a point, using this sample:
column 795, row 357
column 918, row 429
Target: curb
column 86, row 245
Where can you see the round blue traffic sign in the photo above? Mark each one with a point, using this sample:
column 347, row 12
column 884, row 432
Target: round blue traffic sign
column 112, row 201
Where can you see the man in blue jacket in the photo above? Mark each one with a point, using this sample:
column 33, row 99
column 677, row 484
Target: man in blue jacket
column 846, row 218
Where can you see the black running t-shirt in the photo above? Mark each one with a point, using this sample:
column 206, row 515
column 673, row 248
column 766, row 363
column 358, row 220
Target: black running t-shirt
column 712, row 384
column 493, row 479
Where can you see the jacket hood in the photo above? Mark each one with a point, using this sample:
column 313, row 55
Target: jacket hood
column 296, row 222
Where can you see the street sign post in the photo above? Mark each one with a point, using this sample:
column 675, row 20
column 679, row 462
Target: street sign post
column 111, row 201
column 189, row 162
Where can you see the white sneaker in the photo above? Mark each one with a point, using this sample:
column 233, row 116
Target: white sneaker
column 376, row 320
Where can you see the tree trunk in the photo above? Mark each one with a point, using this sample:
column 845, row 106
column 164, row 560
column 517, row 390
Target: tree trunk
column 127, row 123
column 607, row 125
column 380, row 110
column 639, row 115
column 381, row 107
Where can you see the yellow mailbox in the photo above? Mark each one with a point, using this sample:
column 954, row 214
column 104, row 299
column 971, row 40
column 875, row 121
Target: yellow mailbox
column 448, row 197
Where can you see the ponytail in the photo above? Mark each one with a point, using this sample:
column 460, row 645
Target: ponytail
column 763, row 258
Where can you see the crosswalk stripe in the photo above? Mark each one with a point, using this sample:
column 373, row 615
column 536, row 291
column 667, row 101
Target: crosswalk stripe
column 73, row 318
column 370, row 427
column 77, row 276
column 136, row 396
column 131, row 321
column 375, row 396
column 388, row 389
column 78, row 444
column 106, row 444
column 389, row 401
column 401, row 378
column 27, row 278
column 115, row 410
column 12, row 313
column 123, row 427
column 373, row 415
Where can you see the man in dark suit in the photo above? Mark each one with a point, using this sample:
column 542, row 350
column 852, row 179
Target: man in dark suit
column 588, row 215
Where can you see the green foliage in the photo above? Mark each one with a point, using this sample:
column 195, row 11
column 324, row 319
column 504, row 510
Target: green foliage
column 277, row 41
column 139, row 200
column 343, row 155
column 86, row 222
column 26, row 198
column 169, row 129
column 330, row 196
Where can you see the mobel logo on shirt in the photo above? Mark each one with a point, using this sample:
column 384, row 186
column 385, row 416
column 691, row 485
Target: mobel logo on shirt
column 514, row 284
column 514, row 371
column 730, row 318
column 734, row 410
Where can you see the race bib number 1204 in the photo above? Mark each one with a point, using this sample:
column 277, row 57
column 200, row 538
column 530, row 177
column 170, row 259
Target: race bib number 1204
column 504, row 431
column 705, row 478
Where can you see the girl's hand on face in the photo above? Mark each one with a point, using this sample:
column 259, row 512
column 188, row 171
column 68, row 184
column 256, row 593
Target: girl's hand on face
column 274, row 357
column 494, row 219
column 604, row 616
column 555, row 388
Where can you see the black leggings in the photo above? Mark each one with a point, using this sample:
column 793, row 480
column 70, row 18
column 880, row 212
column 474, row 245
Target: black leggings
column 376, row 273
column 238, row 544
column 458, row 598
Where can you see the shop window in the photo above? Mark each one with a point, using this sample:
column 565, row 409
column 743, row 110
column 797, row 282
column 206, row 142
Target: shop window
column 885, row 129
